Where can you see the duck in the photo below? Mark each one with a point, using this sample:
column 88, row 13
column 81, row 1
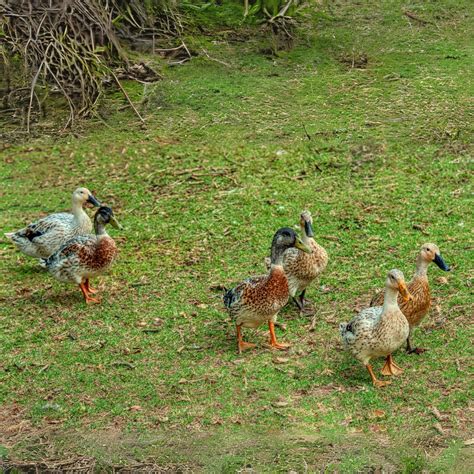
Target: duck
column 48, row 234
column 378, row 331
column 257, row 300
column 418, row 307
column 300, row 267
column 86, row 256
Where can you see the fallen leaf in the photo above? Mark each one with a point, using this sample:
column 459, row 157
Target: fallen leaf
column 436, row 413
column 347, row 421
column 327, row 371
column 438, row 428
column 469, row 442
column 378, row 414
column 281, row 360
column 135, row 408
column 442, row 280
column 282, row 326
column 377, row 428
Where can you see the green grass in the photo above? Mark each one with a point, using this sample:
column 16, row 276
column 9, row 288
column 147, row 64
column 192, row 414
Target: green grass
column 225, row 161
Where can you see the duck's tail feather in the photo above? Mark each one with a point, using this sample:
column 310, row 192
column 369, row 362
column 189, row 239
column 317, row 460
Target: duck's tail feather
column 230, row 297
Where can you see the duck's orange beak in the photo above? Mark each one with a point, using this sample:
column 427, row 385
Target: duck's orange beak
column 402, row 288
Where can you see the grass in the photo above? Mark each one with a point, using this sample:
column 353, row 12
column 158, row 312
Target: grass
column 224, row 162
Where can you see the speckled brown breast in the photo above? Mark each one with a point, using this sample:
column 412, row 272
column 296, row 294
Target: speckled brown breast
column 417, row 308
column 302, row 268
column 270, row 295
column 303, row 265
column 103, row 255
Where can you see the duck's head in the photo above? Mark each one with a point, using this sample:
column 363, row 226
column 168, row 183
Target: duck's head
column 396, row 281
column 430, row 253
column 82, row 195
column 306, row 223
column 284, row 239
column 104, row 216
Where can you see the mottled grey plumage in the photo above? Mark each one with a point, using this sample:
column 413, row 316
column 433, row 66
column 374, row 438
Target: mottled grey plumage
column 379, row 331
column 47, row 235
column 374, row 333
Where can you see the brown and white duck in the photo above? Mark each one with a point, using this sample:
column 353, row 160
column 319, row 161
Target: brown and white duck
column 258, row 300
column 418, row 306
column 379, row 331
column 303, row 268
column 86, row 256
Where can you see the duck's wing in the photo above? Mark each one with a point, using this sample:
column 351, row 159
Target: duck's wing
column 43, row 237
column 81, row 247
column 40, row 229
column 43, row 229
column 363, row 321
column 239, row 294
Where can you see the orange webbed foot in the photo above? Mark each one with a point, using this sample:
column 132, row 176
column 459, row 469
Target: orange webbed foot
column 279, row 346
column 89, row 299
column 390, row 368
column 274, row 344
column 89, row 289
column 376, row 382
column 381, row 383
column 243, row 346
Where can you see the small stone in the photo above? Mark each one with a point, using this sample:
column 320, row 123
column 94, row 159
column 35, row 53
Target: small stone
column 280, row 404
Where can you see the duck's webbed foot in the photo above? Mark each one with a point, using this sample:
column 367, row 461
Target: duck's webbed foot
column 390, row 368
column 273, row 341
column 417, row 350
column 241, row 345
column 299, row 303
column 90, row 290
column 304, row 304
column 87, row 298
column 376, row 382
column 414, row 350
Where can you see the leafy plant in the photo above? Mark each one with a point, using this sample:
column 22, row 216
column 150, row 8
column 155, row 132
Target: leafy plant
column 279, row 16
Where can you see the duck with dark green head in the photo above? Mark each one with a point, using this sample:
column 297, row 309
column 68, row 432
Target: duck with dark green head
column 258, row 300
column 86, row 256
